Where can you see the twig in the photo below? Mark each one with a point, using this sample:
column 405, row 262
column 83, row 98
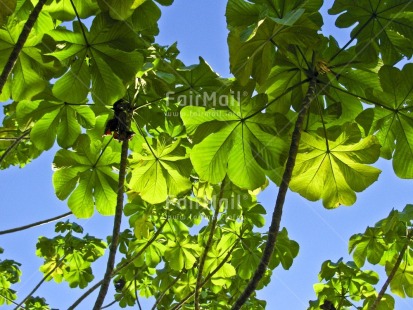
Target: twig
column 12, row 230
column 14, row 144
column 208, row 246
column 282, row 192
column 391, row 275
column 183, row 301
column 20, row 43
column 158, row 300
column 116, row 228
column 40, row 283
column 120, row 268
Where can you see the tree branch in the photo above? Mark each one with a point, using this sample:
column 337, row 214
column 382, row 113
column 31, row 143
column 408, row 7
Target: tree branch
column 392, row 273
column 282, row 192
column 20, row 43
column 184, row 300
column 116, row 227
column 14, row 144
column 119, row 268
column 40, row 283
column 12, row 230
column 208, row 246
column 158, row 300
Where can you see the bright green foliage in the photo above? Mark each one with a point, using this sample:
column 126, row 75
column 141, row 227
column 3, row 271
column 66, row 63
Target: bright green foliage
column 9, row 274
column 244, row 145
column 68, row 257
column 104, row 55
column 205, row 146
column 389, row 21
column 36, row 303
column 344, row 283
column 86, row 175
column 324, row 168
column 391, row 119
column 161, row 170
column 51, row 118
column 388, row 243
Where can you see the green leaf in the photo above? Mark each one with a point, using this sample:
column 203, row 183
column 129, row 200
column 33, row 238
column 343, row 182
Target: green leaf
column 368, row 245
column 161, row 171
column 122, row 10
column 335, row 170
column 53, row 119
column 285, row 251
column 181, row 253
column 241, row 142
column 252, row 51
column 402, row 282
column 63, row 9
column 391, row 120
column 6, row 9
column 109, row 58
column 388, row 20
column 32, row 69
column 86, row 175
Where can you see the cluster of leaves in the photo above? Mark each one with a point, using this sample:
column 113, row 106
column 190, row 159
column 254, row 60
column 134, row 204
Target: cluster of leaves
column 68, row 257
column 9, row 274
column 388, row 243
column 206, row 146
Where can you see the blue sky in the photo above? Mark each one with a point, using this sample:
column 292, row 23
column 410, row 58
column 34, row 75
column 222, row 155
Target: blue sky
column 200, row 29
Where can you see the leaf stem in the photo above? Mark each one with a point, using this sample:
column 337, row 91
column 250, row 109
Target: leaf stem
column 282, row 192
column 13, row 145
column 119, row 268
column 40, row 283
column 208, row 246
column 158, row 300
column 116, row 227
column 184, row 300
column 12, row 230
column 20, row 43
column 392, row 273
column 80, row 22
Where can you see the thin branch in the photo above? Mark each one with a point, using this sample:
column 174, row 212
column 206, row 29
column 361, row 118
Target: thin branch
column 158, row 300
column 185, row 299
column 136, row 292
column 352, row 38
column 14, row 144
column 80, row 22
column 119, row 268
column 208, row 246
column 40, row 283
column 116, row 227
column 392, row 273
column 10, row 300
column 282, row 192
column 13, row 138
column 12, row 230
column 20, row 43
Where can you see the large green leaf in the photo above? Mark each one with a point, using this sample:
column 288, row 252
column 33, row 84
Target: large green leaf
column 120, row 10
column 252, row 51
column 182, row 253
column 382, row 26
column 241, row 142
column 107, row 58
column 335, row 170
column 53, row 119
column 85, row 174
column 162, row 171
column 402, row 282
column 63, row 9
column 32, row 69
column 391, row 120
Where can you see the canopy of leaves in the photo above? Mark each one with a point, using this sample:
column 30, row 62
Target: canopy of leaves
column 202, row 147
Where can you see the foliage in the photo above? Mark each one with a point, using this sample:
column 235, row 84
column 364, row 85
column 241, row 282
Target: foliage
column 206, row 146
